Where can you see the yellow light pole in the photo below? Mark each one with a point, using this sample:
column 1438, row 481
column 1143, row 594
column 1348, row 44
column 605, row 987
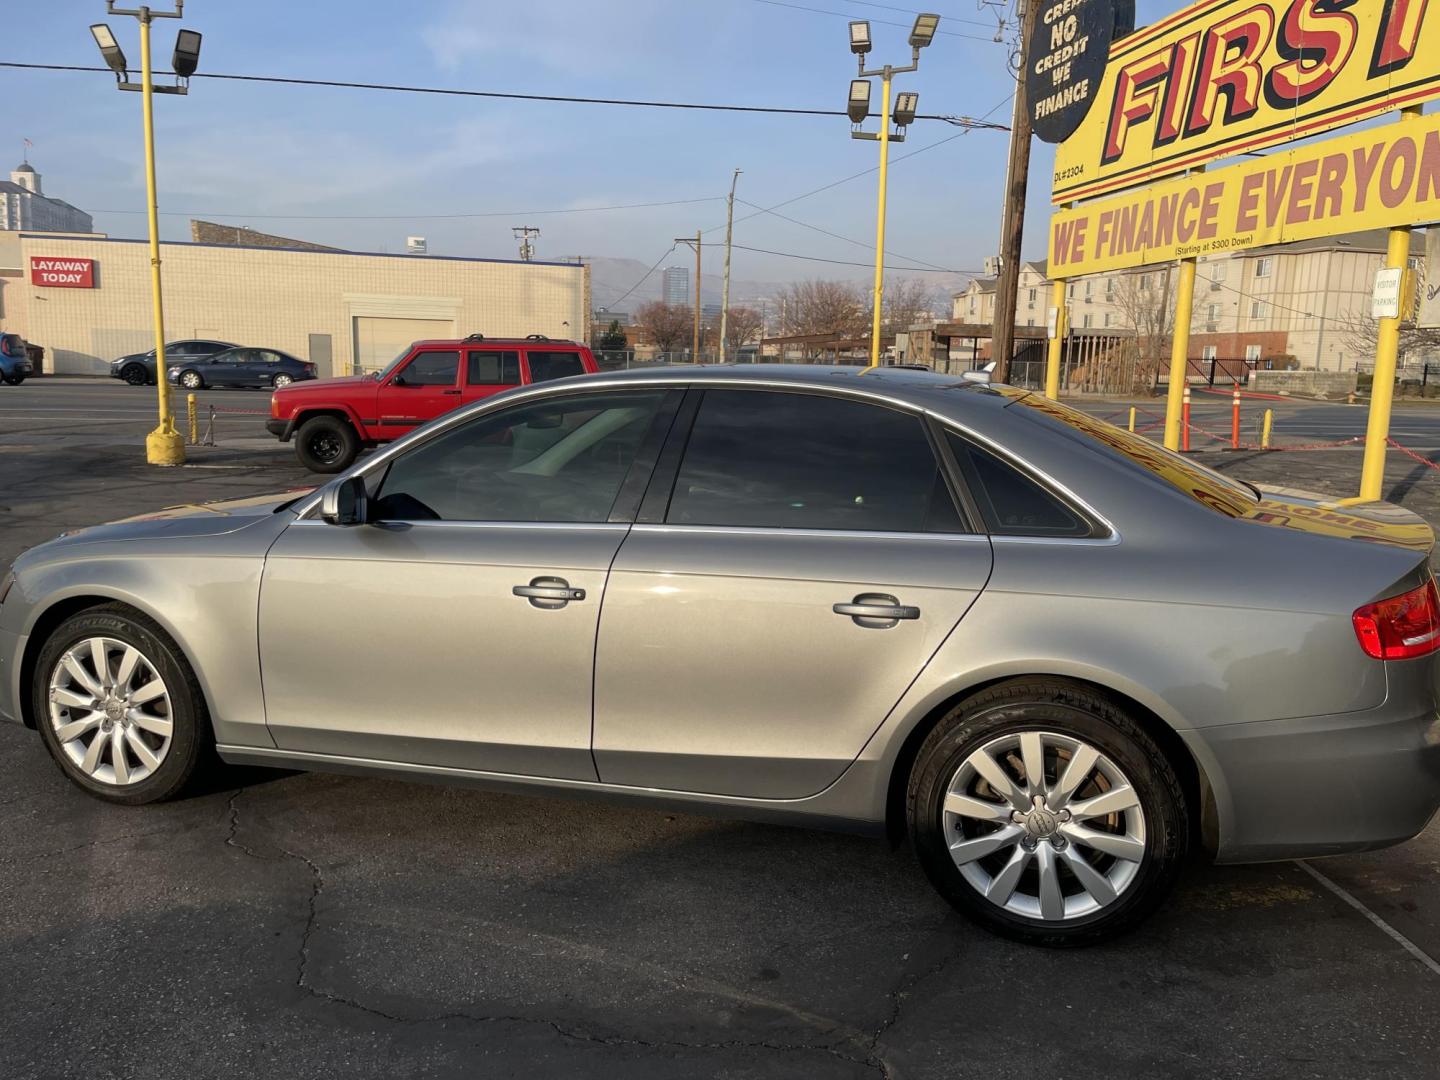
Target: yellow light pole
column 903, row 114
column 1179, row 353
column 165, row 445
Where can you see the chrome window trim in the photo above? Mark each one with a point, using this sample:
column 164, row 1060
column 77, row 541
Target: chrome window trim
column 779, row 530
column 568, row 526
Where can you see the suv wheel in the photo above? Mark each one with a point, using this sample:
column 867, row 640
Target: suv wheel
column 191, row 380
column 326, row 444
column 1046, row 814
column 118, row 707
column 136, row 375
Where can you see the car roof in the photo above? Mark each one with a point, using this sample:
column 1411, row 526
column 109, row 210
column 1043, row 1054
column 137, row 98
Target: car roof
column 479, row 342
column 945, row 394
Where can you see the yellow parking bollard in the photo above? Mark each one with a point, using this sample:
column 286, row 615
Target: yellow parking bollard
column 1265, row 431
column 194, row 419
column 1132, row 417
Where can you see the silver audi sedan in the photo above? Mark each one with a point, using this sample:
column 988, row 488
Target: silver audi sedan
column 1055, row 656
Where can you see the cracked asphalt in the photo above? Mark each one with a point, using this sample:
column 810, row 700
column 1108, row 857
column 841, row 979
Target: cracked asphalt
column 324, row 926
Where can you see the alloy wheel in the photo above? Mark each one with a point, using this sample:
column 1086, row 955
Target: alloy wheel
column 110, row 711
column 135, row 376
column 1044, row 826
column 326, row 447
column 282, row 381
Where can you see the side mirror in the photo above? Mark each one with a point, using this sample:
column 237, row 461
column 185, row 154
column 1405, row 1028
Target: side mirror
column 399, row 380
column 345, row 502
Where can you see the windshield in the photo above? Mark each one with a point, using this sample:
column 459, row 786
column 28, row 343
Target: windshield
column 1204, row 485
column 388, row 368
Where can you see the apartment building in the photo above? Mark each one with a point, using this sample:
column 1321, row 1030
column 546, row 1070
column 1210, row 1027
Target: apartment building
column 1308, row 301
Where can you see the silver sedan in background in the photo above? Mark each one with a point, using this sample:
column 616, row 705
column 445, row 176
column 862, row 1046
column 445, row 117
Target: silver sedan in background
column 1056, row 656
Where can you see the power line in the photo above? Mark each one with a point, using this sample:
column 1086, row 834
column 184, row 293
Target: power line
column 842, row 262
column 837, row 236
column 417, row 217
column 916, row 11
column 448, row 92
column 646, row 277
column 883, row 22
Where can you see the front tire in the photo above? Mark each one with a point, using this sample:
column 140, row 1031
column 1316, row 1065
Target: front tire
column 136, row 375
column 14, row 380
column 326, row 444
column 118, row 707
column 191, row 380
column 1046, row 814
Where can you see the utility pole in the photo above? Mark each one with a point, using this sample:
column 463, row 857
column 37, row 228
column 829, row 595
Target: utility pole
column 695, row 349
column 1012, row 228
column 725, row 286
column 523, row 234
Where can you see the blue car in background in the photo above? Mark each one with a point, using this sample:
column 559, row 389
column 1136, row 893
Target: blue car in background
column 15, row 365
column 240, row 367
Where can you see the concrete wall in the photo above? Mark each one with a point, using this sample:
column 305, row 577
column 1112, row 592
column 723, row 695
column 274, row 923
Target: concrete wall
column 279, row 298
column 1331, row 384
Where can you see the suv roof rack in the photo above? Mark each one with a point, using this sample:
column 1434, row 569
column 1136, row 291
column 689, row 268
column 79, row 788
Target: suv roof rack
column 474, row 337
column 536, row 337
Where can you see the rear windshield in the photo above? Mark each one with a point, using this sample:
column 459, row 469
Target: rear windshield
column 1220, row 493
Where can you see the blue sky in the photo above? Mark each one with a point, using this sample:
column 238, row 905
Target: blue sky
column 244, row 153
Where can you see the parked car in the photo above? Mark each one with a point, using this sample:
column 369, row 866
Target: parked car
column 15, row 363
column 1056, row 655
column 241, row 367
column 138, row 369
column 333, row 419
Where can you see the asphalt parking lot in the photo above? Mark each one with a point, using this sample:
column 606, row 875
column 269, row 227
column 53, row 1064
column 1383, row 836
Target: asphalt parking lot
column 309, row 925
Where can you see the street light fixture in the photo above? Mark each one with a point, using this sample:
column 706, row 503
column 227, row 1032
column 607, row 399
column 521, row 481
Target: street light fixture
column 164, row 445
column 859, row 107
column 903, row 115
column 923, row 31
column 109, row 48
column 860, row 37
column 905, row 106
column 187, row 53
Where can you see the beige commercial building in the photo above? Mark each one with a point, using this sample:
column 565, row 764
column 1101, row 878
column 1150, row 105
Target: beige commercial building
column 86, row 299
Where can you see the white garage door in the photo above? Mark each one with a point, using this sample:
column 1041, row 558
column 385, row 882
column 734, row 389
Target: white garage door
column 378, row 341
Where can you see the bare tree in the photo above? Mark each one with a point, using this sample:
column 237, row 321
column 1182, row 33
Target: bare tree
column 744, row 325
column 1148, row 312
column 1360, row 333
column 824, row 307
column 667, row 325
column 907, row 302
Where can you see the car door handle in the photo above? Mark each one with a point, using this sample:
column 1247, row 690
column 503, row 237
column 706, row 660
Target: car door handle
column 548, row 592
column 454, row 393
column 876, row 611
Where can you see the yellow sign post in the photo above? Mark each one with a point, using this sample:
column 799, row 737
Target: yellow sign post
column 1056, row 344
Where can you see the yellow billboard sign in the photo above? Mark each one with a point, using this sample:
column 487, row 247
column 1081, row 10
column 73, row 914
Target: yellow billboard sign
column 1378, row 178
column 1224, row 77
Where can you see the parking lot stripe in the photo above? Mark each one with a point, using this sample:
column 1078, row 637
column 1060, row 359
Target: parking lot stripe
column 1399, row 938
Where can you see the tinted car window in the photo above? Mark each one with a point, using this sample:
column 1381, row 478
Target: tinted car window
column 554, row 365
column 432, row 369
column 806, row 461
column 492, row 368
column 561, row 460
column 1011, row 503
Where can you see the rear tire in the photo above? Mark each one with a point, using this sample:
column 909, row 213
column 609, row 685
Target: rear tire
column 1068, row 869
column 281, row 381
column 326, row 444
column 132, row 731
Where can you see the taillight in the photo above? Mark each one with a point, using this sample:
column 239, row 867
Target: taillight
column 1400, row 627
column 309, row 369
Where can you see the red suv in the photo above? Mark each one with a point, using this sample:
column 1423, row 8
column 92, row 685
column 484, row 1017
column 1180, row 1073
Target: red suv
column 332, row 419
